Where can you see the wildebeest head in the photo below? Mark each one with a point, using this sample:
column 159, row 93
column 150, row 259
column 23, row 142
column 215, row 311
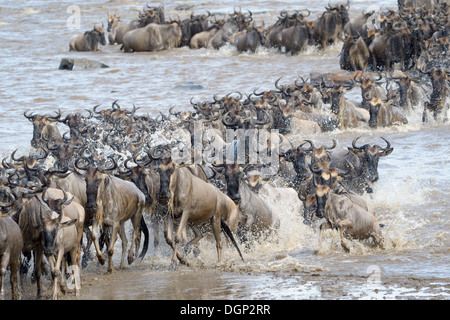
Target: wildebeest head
column 43, row 124
column 233, row 176
column 137, row 175
column 321, row 195
column 298, row 158
column 369, row 156
column 309, row 208
column 95, row 36
column 51, row 223
column 112, row 20
column 165, row 167
column 94, row 177
column 374, row 107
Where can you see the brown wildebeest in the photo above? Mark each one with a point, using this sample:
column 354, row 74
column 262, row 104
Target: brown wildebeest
column 195, row 202
column 11, row 244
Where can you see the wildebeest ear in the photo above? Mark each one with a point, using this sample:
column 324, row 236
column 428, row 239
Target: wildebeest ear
column 67, row 223
column 357, row 152
column 386, row 152
column 69, row 201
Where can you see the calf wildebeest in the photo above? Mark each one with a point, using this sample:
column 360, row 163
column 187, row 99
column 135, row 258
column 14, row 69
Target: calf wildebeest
column 153, row 37
column 11, row 244
column 383, row 114
column 350, row 219
column 112, row 201
column 88, row 41
column 43, row 125
column 195, row 201
column 329, row 27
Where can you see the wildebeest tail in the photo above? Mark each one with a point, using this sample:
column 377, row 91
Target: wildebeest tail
column 228, row 232
column 144, row 229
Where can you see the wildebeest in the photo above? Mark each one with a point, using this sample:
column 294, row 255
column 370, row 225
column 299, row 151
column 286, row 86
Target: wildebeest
column 354, row 54
column 60, row 236
column 153, row 37
column 296, row 38
column 364, row 162
column 438, row 103
column 195, row 201
column 88, row 41
column 201, row 39
column 113, row 24
column 43, row 125
column 192, row 26
column 384, row 114
column 329, row 27
column 256, row 219
column 248, row 40
column 347, row 113
column 11, row 244
column 112, row 201
column 236, row 22
column 350, row 219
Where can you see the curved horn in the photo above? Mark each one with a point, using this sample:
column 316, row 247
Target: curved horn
column 354, row 143
column 333, row 146
column 30, row 117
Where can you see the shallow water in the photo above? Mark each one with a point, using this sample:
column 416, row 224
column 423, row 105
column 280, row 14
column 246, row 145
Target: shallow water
column 411, row 196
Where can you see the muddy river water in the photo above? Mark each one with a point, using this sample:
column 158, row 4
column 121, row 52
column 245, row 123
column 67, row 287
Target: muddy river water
column 412, row 196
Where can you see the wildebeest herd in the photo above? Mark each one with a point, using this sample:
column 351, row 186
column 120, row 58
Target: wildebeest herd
column 90, row 172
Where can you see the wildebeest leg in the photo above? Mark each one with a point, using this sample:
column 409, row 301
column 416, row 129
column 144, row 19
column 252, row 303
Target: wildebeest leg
column 86, row 249
column 15, row 284
column 115, row 230
column 215, row 222
column 95, row 240
column 342, row 224
column 198, row 236
column 38, row 253
column 123, row 237
column 324, row 226
column 168, row 231
column 136, row 239
column 3, row 265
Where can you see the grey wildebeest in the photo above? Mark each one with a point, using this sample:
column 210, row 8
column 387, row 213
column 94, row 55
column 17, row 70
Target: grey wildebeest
column 60, row 236
column 112, row 201
column 364, row 162
column 88, row 41
column 256, row 219
column 113, row 24
column 354, row 54
column 329, row 27
column 153, row 37
column 43, row 125
column 194, row 202
column 352, row 220
column 11, row 244
column 248, row 40
column 438, row 103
